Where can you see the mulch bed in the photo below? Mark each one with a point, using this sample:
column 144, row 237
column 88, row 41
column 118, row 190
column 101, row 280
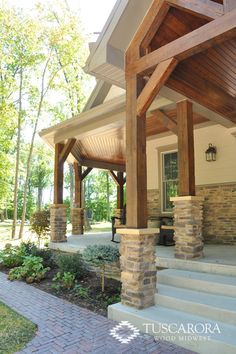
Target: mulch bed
column 95, row 301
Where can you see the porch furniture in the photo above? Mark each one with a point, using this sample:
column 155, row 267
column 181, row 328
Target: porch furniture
column 166, row 231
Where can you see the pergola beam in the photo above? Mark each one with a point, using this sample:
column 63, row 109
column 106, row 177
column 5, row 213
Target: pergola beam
column 67, row 149
column 168, row 122
column 86, row 172
column 154, row 84
column 213, row 33
column 203, row 8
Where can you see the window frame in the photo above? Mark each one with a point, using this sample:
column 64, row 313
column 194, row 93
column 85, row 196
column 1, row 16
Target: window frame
column 162, row 153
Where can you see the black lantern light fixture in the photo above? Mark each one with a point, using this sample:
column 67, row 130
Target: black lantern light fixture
column 211, row 153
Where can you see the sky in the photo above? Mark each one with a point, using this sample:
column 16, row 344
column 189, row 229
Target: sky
column 94, row 13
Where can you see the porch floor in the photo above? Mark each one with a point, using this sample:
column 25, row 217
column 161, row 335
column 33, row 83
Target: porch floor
column 216, row 257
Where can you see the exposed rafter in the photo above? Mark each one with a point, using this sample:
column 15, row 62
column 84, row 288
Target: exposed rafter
column 213, row 33
column 203, row 8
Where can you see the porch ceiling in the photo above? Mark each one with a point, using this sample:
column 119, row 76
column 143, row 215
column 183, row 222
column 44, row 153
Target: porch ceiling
column 100, row 132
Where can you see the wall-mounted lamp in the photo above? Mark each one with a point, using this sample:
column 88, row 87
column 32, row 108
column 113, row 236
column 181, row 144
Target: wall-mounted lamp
column 211, row 153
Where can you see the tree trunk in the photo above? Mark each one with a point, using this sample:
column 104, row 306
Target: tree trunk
column 42, row 95
column 17, row 157
column 40, row 198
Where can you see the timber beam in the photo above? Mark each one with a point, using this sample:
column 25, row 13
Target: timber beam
column 78, row 184
column 207, row 36
column 203, row 8
column 165, row 120
column 86, row 172
column 67, row 149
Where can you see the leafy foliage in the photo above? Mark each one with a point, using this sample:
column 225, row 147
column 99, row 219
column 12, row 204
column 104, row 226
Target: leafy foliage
column 71, row 263
column 32, row 270
column 100, row 254
column 40, row 223
column 64, row 280
column 12, row 257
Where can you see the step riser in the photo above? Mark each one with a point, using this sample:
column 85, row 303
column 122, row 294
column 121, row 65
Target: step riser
column 198, row 309
column 214, row 345
column 194, row 284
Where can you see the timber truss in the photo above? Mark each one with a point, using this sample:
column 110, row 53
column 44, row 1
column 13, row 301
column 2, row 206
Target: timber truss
column 189, row 46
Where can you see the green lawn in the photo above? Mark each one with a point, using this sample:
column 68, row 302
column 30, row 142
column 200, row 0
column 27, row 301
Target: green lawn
column 15, row 330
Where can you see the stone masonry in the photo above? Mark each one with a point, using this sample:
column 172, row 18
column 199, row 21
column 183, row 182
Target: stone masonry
column 118, row 213
column 138, row 268
column 219, row 213
column 153, row 203
column 77, row 220
column 188, row 218
column 58, row 222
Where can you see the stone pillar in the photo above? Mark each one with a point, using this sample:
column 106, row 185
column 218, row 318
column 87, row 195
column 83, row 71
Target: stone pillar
column 77, row 220
column 58, row 222
column 188, row 220
column 138, row 267
column 118, row 213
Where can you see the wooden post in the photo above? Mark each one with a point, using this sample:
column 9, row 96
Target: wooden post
column 136, row 171
column 78, row 185
column 120, row 190
column 229, row 5
column 58, row 175
column 185, row 149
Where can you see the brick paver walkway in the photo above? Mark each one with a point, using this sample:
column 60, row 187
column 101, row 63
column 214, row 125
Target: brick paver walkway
column 69, row 329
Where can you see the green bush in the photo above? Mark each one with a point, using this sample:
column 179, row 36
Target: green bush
column 64, row 280
column 72, row 263
column 40, row 223
column 31, row 270
column 101, row 254
column 12, row 256
column 47, row 256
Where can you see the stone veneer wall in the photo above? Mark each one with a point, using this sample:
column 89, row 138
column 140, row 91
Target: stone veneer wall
column 153, row 203
column 219, row 211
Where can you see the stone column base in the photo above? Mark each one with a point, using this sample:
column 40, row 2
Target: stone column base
column 77, row 220
column 58, row 222
column 188, row 219
column 138, row 267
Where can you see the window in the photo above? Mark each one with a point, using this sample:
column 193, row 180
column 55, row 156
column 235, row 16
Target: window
column 169, row 179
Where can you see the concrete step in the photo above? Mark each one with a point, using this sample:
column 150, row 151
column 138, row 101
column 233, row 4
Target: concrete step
column 196, row 266
column 155, row 319
column 204, row 282
column 215, row 307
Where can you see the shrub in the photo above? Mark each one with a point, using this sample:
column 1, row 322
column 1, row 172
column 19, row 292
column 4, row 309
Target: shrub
column 31, row 270
column 72, row 263
column 47, row 256
column 100, row 255
column 64, row 280
column 12, row 257
column 40, row 223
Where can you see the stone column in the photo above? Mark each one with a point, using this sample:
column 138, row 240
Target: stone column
column 188, row 220
column 138, row 267
column 58, row 222
column 77, row 220
column 118, row 213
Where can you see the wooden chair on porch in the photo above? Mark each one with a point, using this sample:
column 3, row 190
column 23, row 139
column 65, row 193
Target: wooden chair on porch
column 122, row 223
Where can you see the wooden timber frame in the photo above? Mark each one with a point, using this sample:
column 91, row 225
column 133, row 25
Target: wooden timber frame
column 147, row 71
column 62, row 152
